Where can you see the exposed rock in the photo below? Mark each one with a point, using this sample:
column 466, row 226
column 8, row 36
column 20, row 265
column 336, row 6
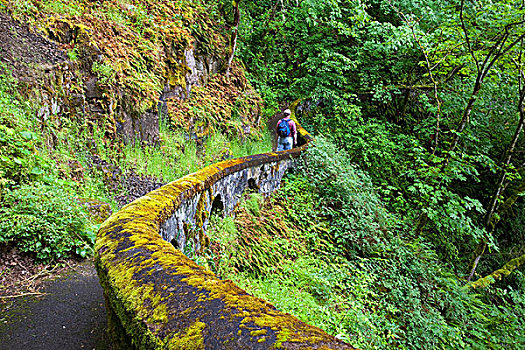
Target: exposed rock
column 134, row 186
column 24, row 51
column 145, row 127
column 200, row 68
column 53, row 82
column 91, row 89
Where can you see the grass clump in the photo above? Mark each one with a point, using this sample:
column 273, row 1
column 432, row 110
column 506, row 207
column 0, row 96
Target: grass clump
column 178, row 154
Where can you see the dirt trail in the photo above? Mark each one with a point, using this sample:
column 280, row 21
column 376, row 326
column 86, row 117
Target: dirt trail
column 70, row 316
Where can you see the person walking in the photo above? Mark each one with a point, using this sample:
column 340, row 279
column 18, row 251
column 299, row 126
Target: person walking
column 287, row 132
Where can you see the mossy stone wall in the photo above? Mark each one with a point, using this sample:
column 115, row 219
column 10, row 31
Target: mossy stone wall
column 186, row 228
column 157, row 298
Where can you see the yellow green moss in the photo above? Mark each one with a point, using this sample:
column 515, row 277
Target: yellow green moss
column 177, row 76
column 201, row 215
column 191, row 338
column 498, row 274
column 258, row 332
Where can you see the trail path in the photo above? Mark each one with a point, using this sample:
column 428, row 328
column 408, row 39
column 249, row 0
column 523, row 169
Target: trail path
column 70, row 316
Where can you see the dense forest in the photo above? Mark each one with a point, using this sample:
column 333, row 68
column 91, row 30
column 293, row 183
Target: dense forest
column 402, row 227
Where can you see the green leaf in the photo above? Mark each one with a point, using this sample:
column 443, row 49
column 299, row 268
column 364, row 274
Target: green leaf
column 36, row 171
column 28, row 135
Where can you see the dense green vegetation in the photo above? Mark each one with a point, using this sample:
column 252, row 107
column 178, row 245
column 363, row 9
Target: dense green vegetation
column 413, row 193
column 426, row 102
column 428, row 99
column 44, row 190
column 326, row 249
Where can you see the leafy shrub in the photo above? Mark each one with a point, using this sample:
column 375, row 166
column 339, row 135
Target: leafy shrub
column 19, row 158
column 44, row 220
column 357, row 218
column 19, row 161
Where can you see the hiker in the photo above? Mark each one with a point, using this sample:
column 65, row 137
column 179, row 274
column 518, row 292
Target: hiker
column 287, row 132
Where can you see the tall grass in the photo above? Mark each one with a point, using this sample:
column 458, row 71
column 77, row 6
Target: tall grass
column 180, row 155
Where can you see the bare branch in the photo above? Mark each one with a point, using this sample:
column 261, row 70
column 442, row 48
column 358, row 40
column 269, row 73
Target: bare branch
column 465, row 32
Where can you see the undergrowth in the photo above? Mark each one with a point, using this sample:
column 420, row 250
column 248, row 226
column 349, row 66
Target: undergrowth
column 46, row 221
column 50, row 175
column 308, row 251
column 38, row 211
column 181, row 153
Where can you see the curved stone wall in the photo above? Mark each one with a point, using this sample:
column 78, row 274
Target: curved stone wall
column 157, row 298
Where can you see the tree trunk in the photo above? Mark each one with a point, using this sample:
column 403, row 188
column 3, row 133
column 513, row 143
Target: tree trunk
column 490, row 218
column 498, row 274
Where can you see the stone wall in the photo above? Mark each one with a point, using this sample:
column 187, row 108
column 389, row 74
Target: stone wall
column 186, row 228
column 157, row 298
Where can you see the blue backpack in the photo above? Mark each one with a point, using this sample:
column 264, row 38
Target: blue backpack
column 283, row 129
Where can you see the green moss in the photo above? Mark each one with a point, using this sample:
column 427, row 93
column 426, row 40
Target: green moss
column 498, row 274
column 191, row 338
column 177, row 76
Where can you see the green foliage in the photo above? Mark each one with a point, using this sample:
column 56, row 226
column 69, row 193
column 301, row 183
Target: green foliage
column 20, row 160
column 37, row 214
column 386, row 290
column 44, row 220
column 177, row 156
column 422, row 96
column 250, row 243
column 357, row 220
column 253, row 203
column 105, row 73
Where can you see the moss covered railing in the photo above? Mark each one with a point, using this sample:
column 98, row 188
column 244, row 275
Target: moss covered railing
column 157, row 298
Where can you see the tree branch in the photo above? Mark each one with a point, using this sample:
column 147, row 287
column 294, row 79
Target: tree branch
column 233, row 43
column 498, row 274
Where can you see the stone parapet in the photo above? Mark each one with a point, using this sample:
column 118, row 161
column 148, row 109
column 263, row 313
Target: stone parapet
column 157, row 298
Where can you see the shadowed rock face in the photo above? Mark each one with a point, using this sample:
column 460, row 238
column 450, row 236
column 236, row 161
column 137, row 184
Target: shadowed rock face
column 52, row 80
column 23, row 51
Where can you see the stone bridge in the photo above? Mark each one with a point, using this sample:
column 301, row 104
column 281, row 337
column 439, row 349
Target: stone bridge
column 186, row 228
column 157, row 298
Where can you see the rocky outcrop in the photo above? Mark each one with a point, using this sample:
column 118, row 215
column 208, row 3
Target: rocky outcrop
column 67, row 88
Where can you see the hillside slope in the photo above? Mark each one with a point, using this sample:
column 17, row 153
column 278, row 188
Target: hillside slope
column 102, row 103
